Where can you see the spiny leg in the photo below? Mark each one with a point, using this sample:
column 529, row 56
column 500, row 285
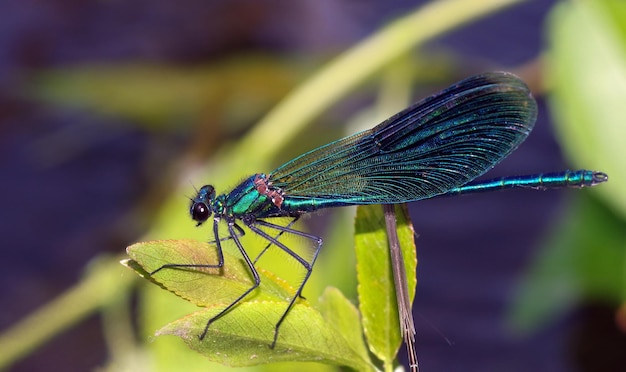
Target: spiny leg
column 251, row 223
column 281, row 232
column 275, row 238
column 257, row 280
column 240, row 233
column 220, row 255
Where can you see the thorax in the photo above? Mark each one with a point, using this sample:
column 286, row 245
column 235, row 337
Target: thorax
column 249, row 197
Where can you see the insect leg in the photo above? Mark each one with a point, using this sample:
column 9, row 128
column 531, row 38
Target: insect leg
column 240, row 233
column 257, row 280
column 276, row 238
column 220, row 255
column 252, row 224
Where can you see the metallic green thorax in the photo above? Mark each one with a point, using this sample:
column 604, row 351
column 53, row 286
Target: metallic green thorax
column 243, row 200
column 248, row 199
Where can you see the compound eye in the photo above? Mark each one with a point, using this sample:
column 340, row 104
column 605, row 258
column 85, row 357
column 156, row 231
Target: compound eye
column 200, row 212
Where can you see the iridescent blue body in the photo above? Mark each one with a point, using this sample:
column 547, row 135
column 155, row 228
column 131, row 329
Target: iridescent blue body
column 437, row 147
column 246, row 199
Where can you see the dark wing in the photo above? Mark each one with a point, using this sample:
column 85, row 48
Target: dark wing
column 439, row 143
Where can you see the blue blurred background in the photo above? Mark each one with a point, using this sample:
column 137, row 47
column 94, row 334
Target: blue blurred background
column 83, row 172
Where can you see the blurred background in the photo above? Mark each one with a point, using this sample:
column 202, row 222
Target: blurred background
column 111, row 112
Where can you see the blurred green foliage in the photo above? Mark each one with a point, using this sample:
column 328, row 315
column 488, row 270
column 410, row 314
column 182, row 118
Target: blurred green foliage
column 585, row 255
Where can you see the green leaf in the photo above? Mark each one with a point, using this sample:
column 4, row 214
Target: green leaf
column 242, row 338
column 586, row 70
column 202, row 286
column 345, row 318
column 377, row 300
column 243, row 335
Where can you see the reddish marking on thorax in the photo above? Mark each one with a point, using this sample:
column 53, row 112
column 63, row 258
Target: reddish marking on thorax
column 264, row 188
